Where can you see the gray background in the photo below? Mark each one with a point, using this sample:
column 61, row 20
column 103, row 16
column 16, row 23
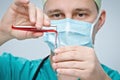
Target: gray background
column 107, row 40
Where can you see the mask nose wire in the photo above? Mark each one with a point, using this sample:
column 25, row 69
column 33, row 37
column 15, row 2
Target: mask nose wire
column 67, row 28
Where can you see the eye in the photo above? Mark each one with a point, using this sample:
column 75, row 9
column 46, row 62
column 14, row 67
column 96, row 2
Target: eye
column 80, row 15
column 56, row 16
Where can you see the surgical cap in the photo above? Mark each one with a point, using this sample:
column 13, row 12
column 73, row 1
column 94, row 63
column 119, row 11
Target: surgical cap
column 98, row 2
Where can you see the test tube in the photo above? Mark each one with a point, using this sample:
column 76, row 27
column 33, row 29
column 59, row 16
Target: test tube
column 34, row 29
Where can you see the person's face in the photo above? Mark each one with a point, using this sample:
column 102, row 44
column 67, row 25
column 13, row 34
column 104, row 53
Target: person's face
column 84, row 10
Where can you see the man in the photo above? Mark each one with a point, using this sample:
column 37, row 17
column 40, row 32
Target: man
column 75, row 60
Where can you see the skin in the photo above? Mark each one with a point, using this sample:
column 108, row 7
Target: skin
column 73, row 62
column 20, row 13
column 70, row 62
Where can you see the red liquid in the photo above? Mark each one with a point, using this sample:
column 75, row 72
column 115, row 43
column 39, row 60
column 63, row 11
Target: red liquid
column 33, row 29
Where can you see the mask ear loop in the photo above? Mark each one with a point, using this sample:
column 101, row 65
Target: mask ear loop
column 93, row 25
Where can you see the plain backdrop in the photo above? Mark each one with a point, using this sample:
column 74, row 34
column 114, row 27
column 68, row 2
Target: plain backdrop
column 107, row 43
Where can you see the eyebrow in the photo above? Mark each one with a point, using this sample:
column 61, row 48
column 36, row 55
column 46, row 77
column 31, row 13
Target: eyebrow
column 83, row 9
column 53, row 11
column 76, row 9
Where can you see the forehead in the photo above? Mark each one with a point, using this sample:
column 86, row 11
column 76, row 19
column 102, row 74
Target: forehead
column 69, row 4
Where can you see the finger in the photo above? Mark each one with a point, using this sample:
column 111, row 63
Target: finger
column 69, row 56
column 71, row 72
column 21, row 2
column 20, row 6
column 33, row 34
column 65, row 49
column 32, row 13
column 81, row 49
column 20, row 35
column 39, row 19
column 70, row 65
column 37, row 34
column 46, row 20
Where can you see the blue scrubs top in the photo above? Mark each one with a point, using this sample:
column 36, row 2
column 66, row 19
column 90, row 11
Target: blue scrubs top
column 16, row 68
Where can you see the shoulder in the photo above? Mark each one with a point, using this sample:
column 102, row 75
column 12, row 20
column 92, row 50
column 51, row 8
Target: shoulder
column 115, row 75
column 9, row 58
column 17, row 67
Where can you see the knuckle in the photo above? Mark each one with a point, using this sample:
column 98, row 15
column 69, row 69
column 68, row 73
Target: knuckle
column 91, row 67
column 76, row 47
column 86, row 75
column 74, row 71
column 30, row 5
column 62, row 48
column 75, row 64
column 72, row 55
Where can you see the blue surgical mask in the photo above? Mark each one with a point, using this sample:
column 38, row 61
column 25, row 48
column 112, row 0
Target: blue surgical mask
column 70, row 33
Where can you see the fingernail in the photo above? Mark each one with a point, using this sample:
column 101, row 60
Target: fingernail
column 32, row 19
column 38, row 26
column 57, row 50
column 58, row 70
column 54, row 58
column 26, row 0
column 54, row 65
column 47, row 22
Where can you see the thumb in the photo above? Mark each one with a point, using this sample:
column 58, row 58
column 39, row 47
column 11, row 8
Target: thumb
column 21, row 2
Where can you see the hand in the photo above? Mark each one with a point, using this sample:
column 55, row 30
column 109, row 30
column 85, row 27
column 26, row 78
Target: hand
column 22, row 13
column 78, row 61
